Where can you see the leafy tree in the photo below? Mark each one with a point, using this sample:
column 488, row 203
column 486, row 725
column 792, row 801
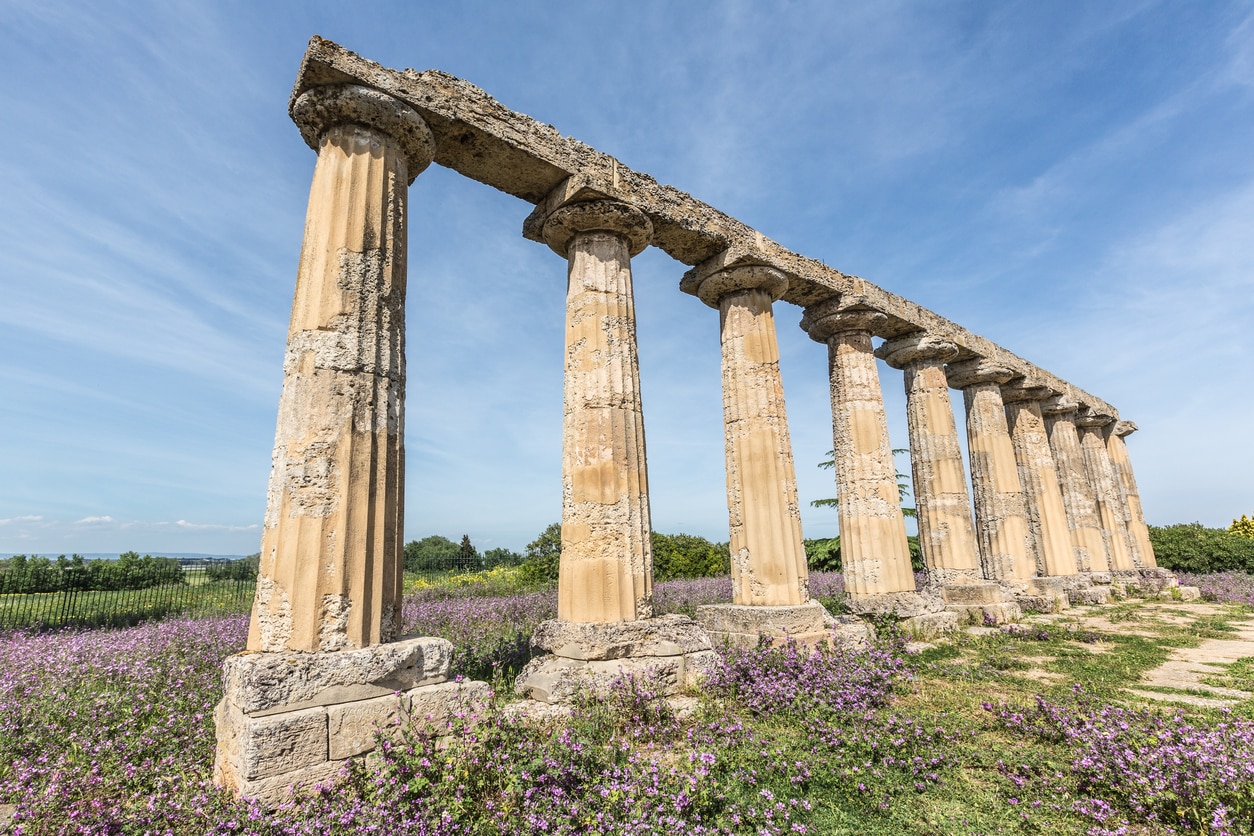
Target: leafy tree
column 1243, row 527
column 903, row 486
column 824, row 555
column 431, row 554
column 467, row 556
column 501, row 557
column 1191, row 547
column 543, row 556
column 688, row 556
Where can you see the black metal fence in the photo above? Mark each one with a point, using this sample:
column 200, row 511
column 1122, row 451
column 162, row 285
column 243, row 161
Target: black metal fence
column 71, row 606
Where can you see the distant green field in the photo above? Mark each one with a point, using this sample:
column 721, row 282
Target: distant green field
column 198, row 596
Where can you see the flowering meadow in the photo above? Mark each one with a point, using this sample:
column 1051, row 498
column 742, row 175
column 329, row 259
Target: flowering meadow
column 111, row 732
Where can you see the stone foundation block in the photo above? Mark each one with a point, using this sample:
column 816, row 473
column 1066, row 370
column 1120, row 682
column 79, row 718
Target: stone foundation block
column 900, row 604
column 435, row 706
column 808, row 624
column 930, row 624
column 1101, row 578
column 1089, row 596
column 1185, row 593
column 671, row 651
column 261, row 683
column 973, row 594
column 273, row 791
column 351, row 726
column 1044, row 594
column 667, row 635
column 980, row 614
column 261, row 747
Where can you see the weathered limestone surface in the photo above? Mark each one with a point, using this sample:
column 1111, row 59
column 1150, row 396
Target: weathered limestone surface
column 806, row 625
column 1142, row 549
column 1001, row 524
column 1114, row 524
column 1077, row 493
column 768, row 560
column 672, row 652
column 874, row 551
column 330, row 574
column 1047, row 516
column 292, row 720
column 480, row 138
column 946, row 529
column 607, row 562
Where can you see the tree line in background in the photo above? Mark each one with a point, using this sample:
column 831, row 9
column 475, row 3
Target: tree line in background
column 22, row 574
column 1191, row 547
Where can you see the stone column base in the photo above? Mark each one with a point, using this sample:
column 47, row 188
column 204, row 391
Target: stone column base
column 672, row 649
column 292, row 720
column 978, row 602
column 1041, row 594
column 807, row 624
column 920, row 613
column 1082, row 591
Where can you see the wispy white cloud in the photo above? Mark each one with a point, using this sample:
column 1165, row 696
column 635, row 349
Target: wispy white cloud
column 23, row 519
column 93, row 520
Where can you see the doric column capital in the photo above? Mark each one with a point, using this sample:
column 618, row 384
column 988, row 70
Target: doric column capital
column 1022, row 389
column 1059, row 404
column 1087, row 418
column 825, row 319
column 903, row 351
column 715, row 286
column 1125, row 428
column 978, row 370
column 611, row 216
column 322, row 108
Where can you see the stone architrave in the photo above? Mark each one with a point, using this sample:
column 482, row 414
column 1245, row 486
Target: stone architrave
column 1001, row 524
column 875, row 555
column 1143, row 550
column 1047, row 516
column 330, row 573
column 606, row 570
column 946, row 527
column 768, row 560
column 1114, row 524
column 1077, row 493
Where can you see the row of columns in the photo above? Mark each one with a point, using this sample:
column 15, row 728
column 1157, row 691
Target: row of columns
column 1054, row 490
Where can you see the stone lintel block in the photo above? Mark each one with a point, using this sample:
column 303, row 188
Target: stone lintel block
column 900, row 604
column 251, row 748
column 554, row 679
column 351, row 727
column 268, row 683
column 667, row 635
column 930, row 624
column 433, row 707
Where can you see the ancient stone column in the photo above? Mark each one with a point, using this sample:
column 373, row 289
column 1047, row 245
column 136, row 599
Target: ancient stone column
column 330, row 574
column 1101, row 474
column 946, row 528
column 874, row 553
column 1001, row 525
column 768, row 560
column 1077, row 493
column 606, row 570
column 1047, row 516
column 1142, row 549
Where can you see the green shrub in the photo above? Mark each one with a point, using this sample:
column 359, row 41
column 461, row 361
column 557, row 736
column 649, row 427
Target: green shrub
column 1243, row 527
column 824, row 555
column 1190, row 547
column 433, row 554
column 543, row 557
column 688, row 556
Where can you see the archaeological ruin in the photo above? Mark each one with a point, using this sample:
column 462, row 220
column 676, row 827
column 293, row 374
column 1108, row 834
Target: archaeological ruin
column 1055, row 518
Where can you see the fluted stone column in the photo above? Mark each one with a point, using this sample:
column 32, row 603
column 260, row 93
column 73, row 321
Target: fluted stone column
column 874, row 552
column 946, row 527
column 1001, row 525
column 1047, row 516
column 1143, row 550
column 330, row 573
column 768, row 560
column 606, row 570
column 1101, row 475
column 1077, row 493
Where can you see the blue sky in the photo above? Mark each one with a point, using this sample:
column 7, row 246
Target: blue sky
column 1072, row 180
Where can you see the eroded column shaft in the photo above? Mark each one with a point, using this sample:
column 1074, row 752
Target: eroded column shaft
column 330, row 572
column 767, row 555
column 606, row 570
column 1143, row 549
column 1046, row 514
column 874, row 552
column 1077, row 493
column 1101, row 475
